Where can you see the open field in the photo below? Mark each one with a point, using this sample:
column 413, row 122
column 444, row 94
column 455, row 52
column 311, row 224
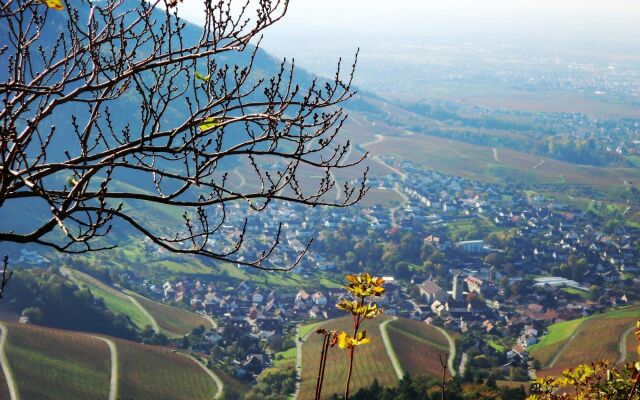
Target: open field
column 371, row 361
column 574, row 342
column 54, row 364
column 114, row 299
column 480, row 162
column 557, row 334
column 152, row 372
column 417, row 346
column 172, row 320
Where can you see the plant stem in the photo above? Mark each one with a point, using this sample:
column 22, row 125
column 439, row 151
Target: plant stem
column 635, row 386
column 323, row 357
column 351, row 351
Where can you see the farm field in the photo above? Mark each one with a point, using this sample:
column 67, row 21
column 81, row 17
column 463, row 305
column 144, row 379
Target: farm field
column 114, row 299
column 152, row 372
column 417, row 346
column 480, row 162
column 371, row 361
column 51, row 364
column 171, row 320
column 557, row 334
column 577, row 341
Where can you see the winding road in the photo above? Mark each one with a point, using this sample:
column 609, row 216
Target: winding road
column 13, row 392
column 564, row 346
column 216, row 378
column 154, row 323
column 452, row 350
column 390, row 352
column 113, row 383
column 622, row 345
column 379, row 138
column 69, row 274
column 299, row 343
column 495, row 155
column 539, row 164
column 241, row 177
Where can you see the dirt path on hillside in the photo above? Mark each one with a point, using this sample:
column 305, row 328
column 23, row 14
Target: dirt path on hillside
column 299, row 344
column 379, row 138
column 539, row 164
column 216, row 378
column 495, row 155
column 390, row 352
column 154, row 323
column 452, row 351
column 463, row 364
column 564, row 346
column 241, row 177
column 69, row 274
column 113, row 383
column 622, row 345
column 6, row 370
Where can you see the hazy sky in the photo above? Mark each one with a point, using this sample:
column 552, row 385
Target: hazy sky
column 419, row 16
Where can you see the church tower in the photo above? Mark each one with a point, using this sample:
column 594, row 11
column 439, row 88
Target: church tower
column 458, row 288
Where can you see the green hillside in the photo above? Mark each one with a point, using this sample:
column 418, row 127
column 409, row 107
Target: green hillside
column 414, row 344
column 171, row 320
column 570, row 343
column 51, row 364
column 371, row 362
column 143, row 312
column 157, row 373
column 114, row 299
column 417, row 345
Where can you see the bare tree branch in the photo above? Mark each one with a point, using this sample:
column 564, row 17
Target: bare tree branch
column 109, row 94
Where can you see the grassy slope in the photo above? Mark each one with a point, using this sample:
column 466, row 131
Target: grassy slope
column 556, row 335
column 172, row 320
column 54, row 364
column 151, row 372
column 113, row 299
column 417, row 346
column 371, row 361
column 4, row 387
column 597, row 336
column 478, row 162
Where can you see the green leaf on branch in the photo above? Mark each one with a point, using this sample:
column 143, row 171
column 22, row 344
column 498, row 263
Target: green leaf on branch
column 208, row 124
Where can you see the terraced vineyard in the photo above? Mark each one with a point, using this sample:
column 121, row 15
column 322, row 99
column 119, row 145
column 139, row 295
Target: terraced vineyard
column 172, row 320
column 51, row 364
column 152, row 372
column 570, row 343
column 114, row 299
column 371, row 362
column 417, row 346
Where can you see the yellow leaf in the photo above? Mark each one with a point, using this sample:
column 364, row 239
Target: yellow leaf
column 208, row 123
column 55, row 4
column 343, row 340
column 201, row 77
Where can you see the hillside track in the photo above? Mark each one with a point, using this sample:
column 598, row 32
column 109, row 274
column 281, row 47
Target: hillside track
column 299, row 344
column 154, row 323
column 452, row 350
column 622, row 345
column 219, row 383
column 564, row 346
column 113, row 383
column 6, row 370
column 387, row 345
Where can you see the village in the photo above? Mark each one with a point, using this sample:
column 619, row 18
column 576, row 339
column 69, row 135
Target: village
column 548, row 263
